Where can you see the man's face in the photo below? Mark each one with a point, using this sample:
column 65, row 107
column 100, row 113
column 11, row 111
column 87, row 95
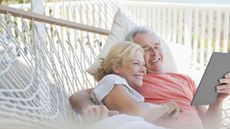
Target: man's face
column 153, row 55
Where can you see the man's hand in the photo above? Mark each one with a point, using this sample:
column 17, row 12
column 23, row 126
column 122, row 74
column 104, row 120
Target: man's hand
column 223, row 89
column 212, row 117
column 96, row 113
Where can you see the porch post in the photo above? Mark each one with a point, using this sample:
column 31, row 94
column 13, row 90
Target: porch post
column 38, row 39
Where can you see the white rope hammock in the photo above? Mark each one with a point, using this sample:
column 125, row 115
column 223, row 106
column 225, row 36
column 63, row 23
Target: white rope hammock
column 28, row 92
column 37, row 75
column 41, row 68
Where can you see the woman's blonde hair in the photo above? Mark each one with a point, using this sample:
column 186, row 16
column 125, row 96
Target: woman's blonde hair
column 117, row 54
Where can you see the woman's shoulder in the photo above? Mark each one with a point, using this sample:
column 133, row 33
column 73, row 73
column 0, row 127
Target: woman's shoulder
column 113, row 78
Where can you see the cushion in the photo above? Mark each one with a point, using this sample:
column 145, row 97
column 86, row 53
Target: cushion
column 120, row 28
column 181, row 57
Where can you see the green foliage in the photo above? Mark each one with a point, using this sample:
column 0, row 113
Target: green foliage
column 14, row 1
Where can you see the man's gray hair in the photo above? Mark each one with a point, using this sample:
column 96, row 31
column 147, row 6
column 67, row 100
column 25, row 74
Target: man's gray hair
column 139, row 30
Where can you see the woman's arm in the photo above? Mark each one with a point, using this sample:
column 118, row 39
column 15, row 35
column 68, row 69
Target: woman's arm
column 120, row 99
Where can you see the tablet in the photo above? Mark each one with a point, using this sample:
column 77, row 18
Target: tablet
column 218, row 66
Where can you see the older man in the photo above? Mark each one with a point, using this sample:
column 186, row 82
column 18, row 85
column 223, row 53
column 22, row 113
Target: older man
column 160, row 87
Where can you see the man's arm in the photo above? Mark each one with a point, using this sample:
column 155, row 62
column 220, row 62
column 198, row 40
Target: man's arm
column 94, row 113
column 81, row 100
column 212, row 117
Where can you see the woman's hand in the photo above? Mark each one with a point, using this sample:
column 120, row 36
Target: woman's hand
column 96, row 113
column 172, row 109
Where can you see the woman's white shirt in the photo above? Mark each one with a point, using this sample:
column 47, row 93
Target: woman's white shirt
column 106, row 84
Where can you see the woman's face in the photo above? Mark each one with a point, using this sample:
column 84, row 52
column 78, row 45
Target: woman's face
column 133, row 70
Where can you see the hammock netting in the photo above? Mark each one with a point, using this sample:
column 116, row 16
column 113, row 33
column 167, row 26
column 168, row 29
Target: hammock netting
column 42, row 64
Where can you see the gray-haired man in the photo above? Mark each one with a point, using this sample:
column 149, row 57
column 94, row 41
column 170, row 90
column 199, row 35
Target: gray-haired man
column 160, row 87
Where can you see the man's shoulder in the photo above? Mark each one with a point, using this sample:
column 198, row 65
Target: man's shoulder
column 169, row 74
column 180, row 75
column 173, row 75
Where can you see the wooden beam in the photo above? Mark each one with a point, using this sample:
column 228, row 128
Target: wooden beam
column 51, row 20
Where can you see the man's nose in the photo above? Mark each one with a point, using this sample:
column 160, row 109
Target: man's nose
column 154, row 52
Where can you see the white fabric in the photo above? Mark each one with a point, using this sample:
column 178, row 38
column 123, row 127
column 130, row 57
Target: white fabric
column 181, row 56
column 106, row 84
column 123, row 121
column 121, row 26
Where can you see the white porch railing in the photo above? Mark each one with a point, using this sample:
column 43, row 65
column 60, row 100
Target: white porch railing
column 202, row 28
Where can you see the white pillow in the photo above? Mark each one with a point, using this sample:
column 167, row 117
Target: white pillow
column 169, row 64
column 120, row 28
column 180, row 55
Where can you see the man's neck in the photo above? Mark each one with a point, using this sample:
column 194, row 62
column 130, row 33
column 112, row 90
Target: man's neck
column 154, row 72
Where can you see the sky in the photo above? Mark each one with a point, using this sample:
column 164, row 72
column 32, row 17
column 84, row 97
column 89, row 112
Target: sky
column 198, row 1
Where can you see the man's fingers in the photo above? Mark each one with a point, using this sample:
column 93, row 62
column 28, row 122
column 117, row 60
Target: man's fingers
column 223, row 89
column 224, row 80
column 96, row 113
column 226, row 91
column 220, row 87
column 103, row 112
column 112, row 113
column 227, row 75
column 87, row 116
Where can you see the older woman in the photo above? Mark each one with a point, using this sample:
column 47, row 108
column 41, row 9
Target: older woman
column 121, row 72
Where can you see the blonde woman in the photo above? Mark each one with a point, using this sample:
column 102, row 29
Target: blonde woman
column 121, row 72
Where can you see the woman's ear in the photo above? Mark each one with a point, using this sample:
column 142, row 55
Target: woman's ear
column 116, row 69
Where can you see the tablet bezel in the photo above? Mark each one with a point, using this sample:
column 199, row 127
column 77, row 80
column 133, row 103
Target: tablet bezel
column 218, row 66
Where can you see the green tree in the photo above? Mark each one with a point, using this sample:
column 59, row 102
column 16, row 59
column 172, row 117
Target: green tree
column 14, row 1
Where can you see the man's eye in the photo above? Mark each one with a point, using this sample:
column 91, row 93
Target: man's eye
column 146, row 49
column 158, row 47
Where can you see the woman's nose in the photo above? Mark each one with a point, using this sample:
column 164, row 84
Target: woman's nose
column 142, row 69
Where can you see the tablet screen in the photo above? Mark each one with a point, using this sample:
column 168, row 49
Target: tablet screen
column 218, row 66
